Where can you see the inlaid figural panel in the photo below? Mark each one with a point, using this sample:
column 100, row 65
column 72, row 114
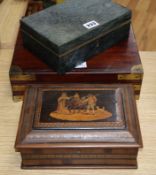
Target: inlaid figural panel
column 79, row 108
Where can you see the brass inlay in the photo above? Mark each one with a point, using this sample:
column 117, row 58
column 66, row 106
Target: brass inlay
column 137, row 97
column 137, row 69
column 130, row 76
column 59, row 1
column 22, row 77
column 17, row 98
column 18, row 88
column 137, row 87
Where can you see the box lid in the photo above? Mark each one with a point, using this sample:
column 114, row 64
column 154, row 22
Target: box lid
column 78, row 115
column 63, row 27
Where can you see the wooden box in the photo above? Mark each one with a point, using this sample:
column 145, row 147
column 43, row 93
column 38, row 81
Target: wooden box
column 119, row 64
column 70, row 33
column 79, row 126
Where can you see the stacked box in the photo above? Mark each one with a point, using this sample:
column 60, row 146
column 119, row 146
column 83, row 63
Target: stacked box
column 119, row 64
column 70, row 33
column 57, row 133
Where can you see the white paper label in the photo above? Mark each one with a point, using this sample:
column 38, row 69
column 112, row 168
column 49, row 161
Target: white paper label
column 91, row 24
column 82, row 65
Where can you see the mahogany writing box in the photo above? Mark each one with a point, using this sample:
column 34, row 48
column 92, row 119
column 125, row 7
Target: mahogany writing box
column 119, row 64
column 79, row 126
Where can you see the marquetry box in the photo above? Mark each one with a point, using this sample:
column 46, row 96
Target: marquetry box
column 70, row 33
column 79, row 126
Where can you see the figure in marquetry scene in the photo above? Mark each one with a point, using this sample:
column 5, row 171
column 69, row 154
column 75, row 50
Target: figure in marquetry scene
column 79, row 108
column 75, row 103
column 91, row 103
column 61, row 107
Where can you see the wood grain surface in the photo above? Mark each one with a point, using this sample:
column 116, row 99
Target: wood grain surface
column 10, row 13
column 144, row 22
column 10, row 111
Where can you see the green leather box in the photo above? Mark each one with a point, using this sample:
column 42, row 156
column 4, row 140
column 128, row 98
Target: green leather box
column 67, row 34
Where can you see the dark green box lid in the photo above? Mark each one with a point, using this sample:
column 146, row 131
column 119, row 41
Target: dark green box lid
column 66, row 26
